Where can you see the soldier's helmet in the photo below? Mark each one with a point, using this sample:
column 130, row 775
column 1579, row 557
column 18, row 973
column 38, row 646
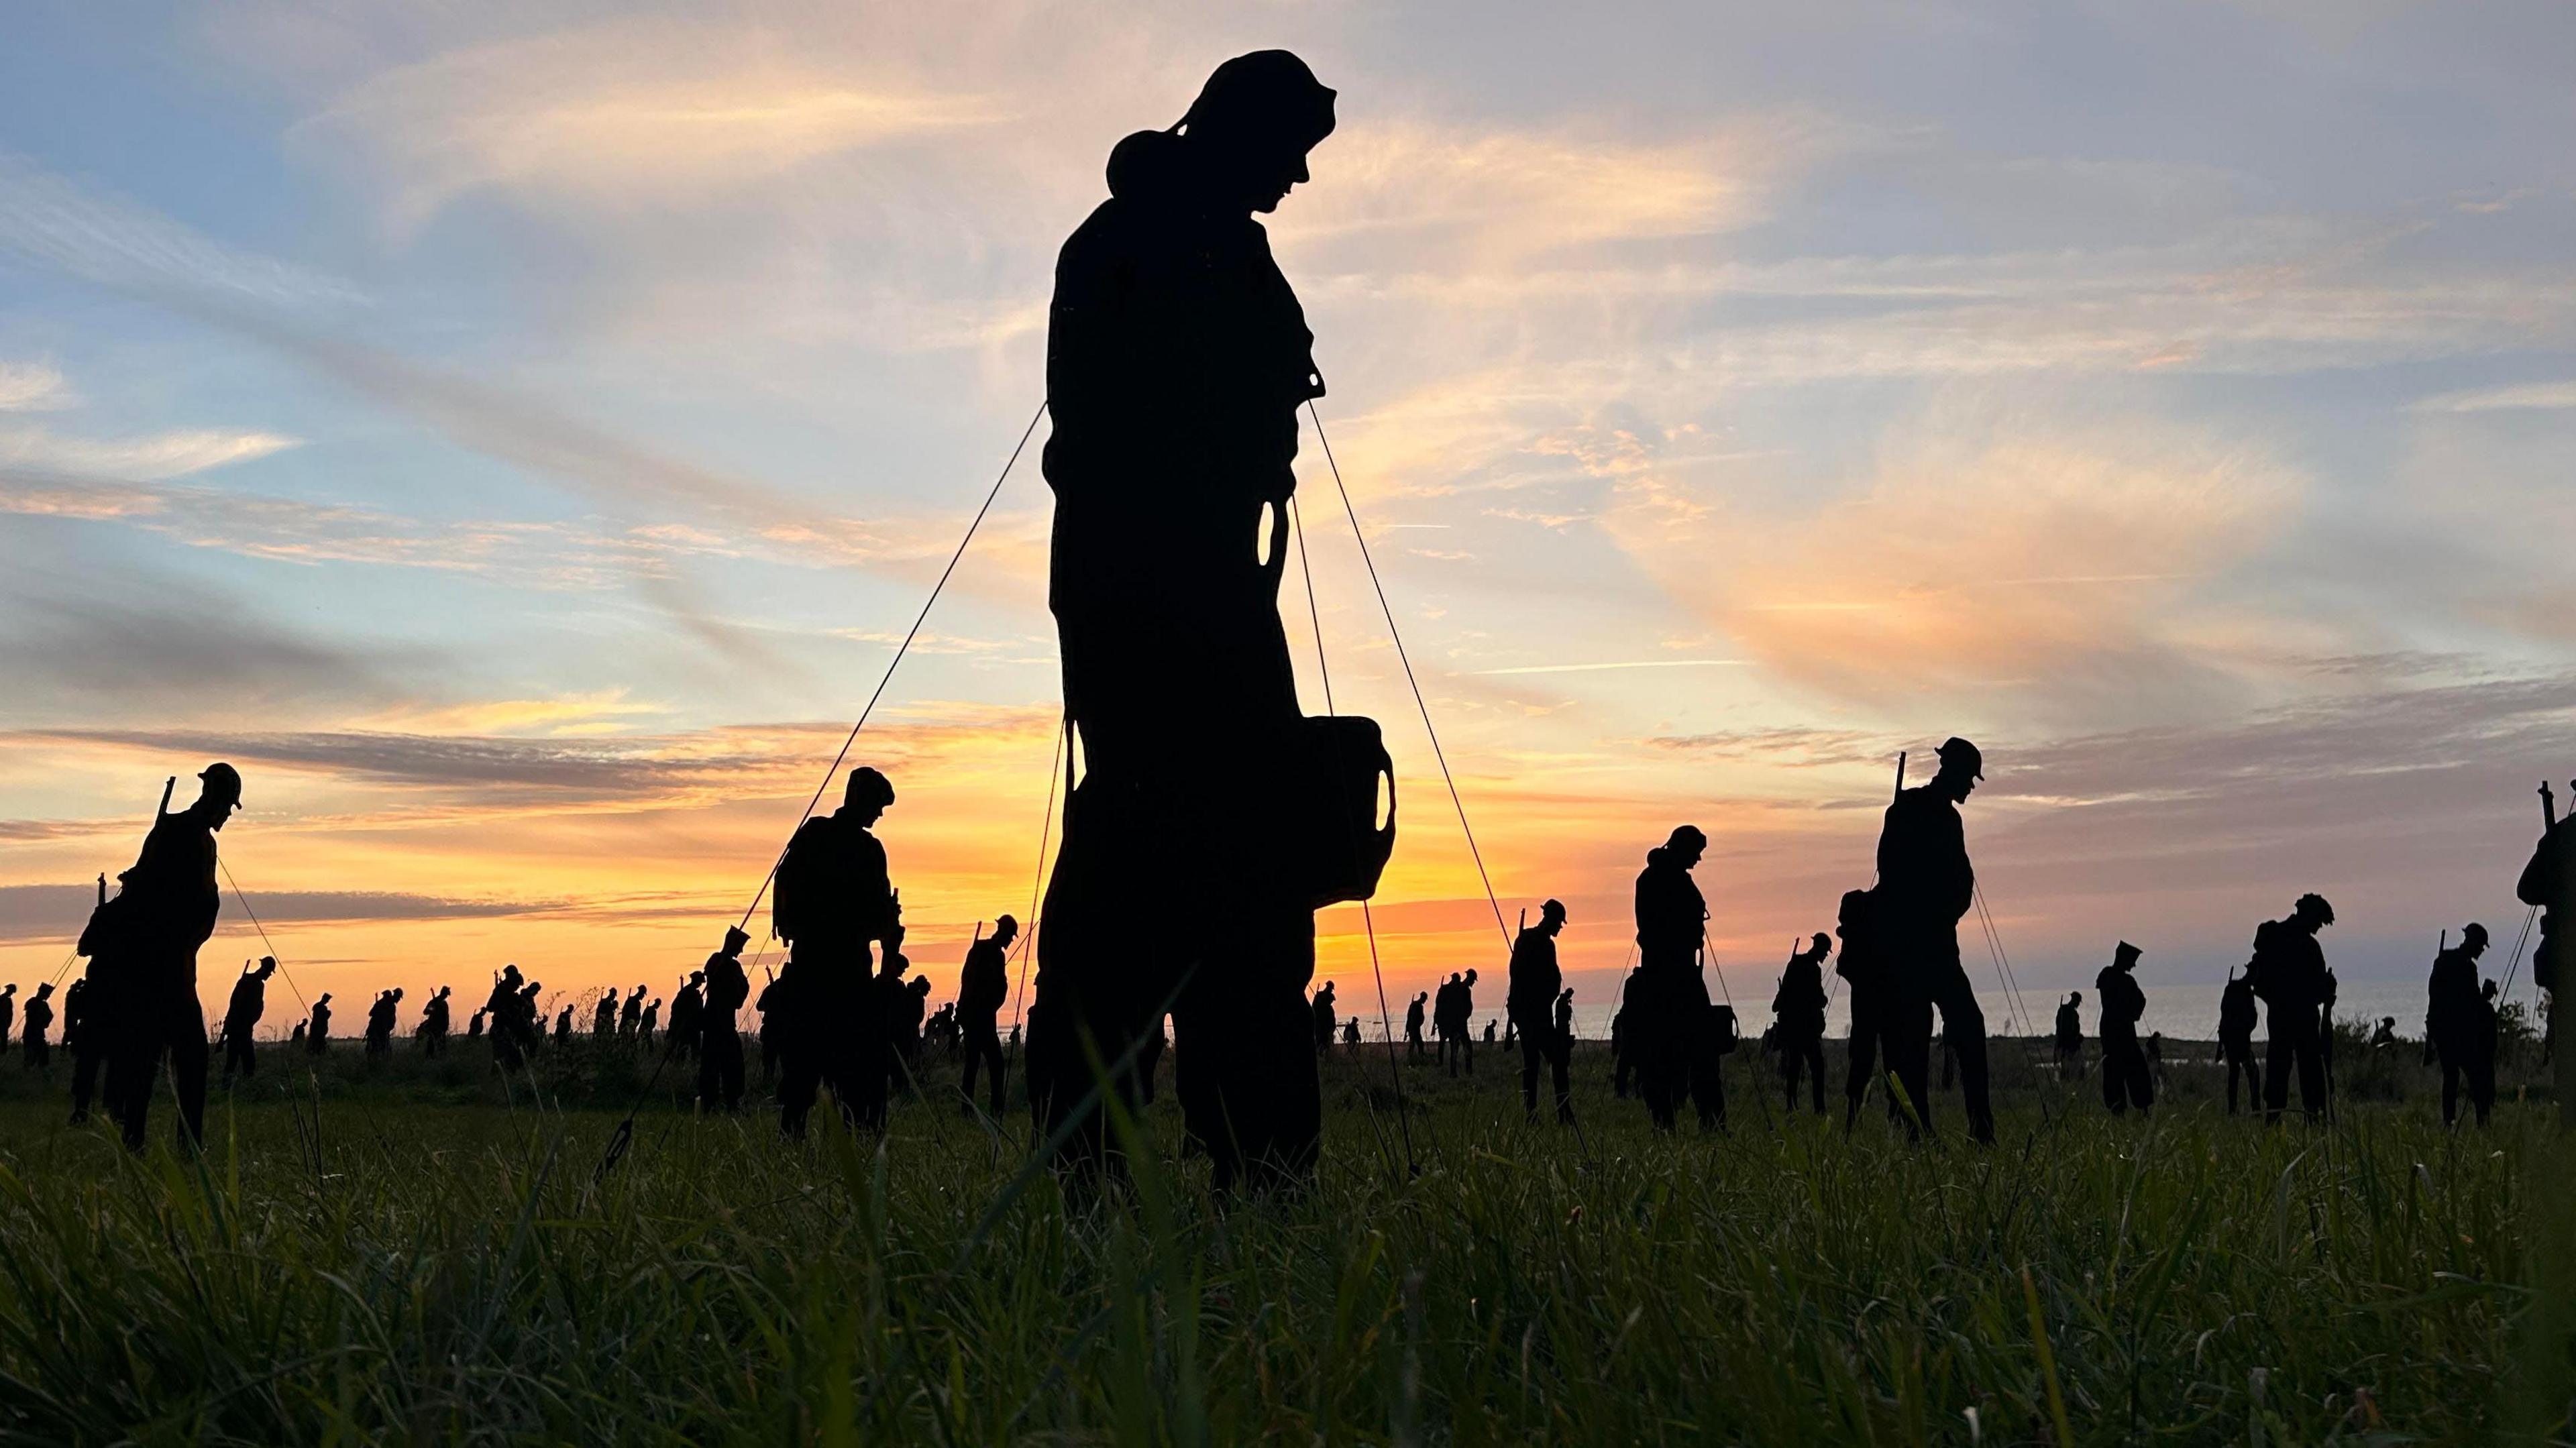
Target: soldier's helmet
column 867, row 788
column 2474, row 933
column 2314, row 907
column 223, row 783
column 1957, row 753
column 735, row 940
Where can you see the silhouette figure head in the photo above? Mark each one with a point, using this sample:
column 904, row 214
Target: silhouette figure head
column 2075, row 998
column 1962, row 766
column 1551, row 916
column 2313, row 912
column 1453, row 977
column 868, row 795
column 2388, row 1022
column 44, row 990
column 2126, row 957
column 1685, row 846
column 324, row 1000
column 219, row 794
column 10, row 989
column 735, row 940
column 1005, row 930
column 267, row 966
column 2473, row 939
column 1244, row 141
column 1471, row 975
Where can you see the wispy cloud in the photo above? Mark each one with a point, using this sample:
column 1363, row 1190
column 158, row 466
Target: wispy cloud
column 161, row 455
column 34, row 387
column 2550, row 396
column 1627, row 664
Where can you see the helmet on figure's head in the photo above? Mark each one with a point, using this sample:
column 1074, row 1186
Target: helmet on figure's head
column 223, row 784
column 2473, row 933
column 2313, row 907
column 1957, row 753
column 867, row 789
column 735, row 940
column 1552, row 910
column 1261, row 99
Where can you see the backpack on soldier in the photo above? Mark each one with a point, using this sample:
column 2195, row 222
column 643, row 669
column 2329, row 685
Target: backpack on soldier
column 1724, row 1035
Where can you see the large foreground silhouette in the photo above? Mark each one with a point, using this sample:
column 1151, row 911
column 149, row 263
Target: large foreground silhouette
column 1177, row 358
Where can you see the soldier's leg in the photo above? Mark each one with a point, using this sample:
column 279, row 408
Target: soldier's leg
column 2312, row 1075
column 1560, row 1059
column 2278, row 1052
column 2115, row 1069
column 2450, row 1083
column 186, row 1027
column 1816, row 1073
column 1963, row 1026
column 2482, row 1072
column 86, row 1062
column 1708, row 1080
column 1908, row 1041
column 1862, row 1049
column 1531, row 1051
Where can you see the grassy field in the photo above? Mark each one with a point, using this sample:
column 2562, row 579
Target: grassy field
column 403, row 1252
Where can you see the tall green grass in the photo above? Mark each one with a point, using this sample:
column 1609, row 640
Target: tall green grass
column 343, row 1265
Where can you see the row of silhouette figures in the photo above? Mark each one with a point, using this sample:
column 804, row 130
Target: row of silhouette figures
column 1178, row 364
column 134, row 1014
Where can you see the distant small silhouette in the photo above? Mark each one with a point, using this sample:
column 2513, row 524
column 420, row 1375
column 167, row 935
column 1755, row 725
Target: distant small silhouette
column 603, row 1019
column 1798, row 1020
column 983, row 984
column 2236, row 1015
column 317, row 1027
column 473, row 1025
column 1177, row 357
column 2070, row 1036
column 2457, row 1027
column 1532, row 998
column 833, row 903
column 688, row 1006
column 652, row 1021
column 720, row 1068
column 563, row 1024
column 34, row 1021
column 1414, row 1048
column 1451, row 1012
column 1490, row 1026
column 2126, row 1082
column 2289, row 976
column 2386, row 1036
column 1925, row 885
column 380, row 1023
column 630, row 1016
column 142, row 947
column 1667, row 999
column 1322, row 1009
column 1351, row 1031
column 773, row 1027
column 432, row 1031
column 501, row 1018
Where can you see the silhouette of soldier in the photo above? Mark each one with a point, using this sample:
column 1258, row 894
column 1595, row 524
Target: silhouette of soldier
column 2483, row 1043
column 2236, row 1039
column 652, row 1018
column 893, row 994
column 2125, row 1079
column 1450, row 1015
column 1490, row 1026
column 8, row 1013
column 2386, row 1035
column 1668, row 998
column 1351, row 1031
column 630, row 1016
column 603, row 1019
column 983, row 984
column 317, row 1030
column 1565, row 1017
column 1323, row 1013
column 36, row 1020
column 563, row 1024
column 2454, row 1022
column 1531, row 999
column 687, row 1007
column 1177, row 357
column 2548, row 883
column 833, row 903
column 432, row 1031
column 526, row 1018
column 2070, row 1035
column 1414, row 1049
column 1798, row 1020
column 501, row 1012
column 380, row 1023
column 719, row 1039
column 168, row 907
column 1876, row 1013
column 1623, row 1055
column 295, row 1038
column 86, row 1037
column 2289, row 976
column 1925, row 884
column 910, row 1005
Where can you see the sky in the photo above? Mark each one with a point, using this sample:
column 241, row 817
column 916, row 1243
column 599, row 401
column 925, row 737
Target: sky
column 517, row 436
